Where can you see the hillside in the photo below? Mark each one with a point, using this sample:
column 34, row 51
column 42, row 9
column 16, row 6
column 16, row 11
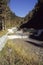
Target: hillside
column 35, row 17
column 11, row 19
column 8, row 18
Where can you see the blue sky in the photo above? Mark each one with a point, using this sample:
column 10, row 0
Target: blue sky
column 22, row 7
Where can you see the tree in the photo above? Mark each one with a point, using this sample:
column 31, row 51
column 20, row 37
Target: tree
column 3, row 6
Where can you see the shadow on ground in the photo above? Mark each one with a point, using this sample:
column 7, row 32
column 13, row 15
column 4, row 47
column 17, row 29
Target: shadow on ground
column 35, row 44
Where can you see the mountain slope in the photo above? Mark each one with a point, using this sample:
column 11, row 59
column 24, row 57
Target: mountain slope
column 36, row 19
column 8, row 18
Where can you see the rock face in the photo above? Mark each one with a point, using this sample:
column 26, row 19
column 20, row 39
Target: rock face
column 36, row 20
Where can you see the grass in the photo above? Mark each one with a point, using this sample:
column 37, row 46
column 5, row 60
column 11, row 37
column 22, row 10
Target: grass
column 16, row 54
column 3, row 32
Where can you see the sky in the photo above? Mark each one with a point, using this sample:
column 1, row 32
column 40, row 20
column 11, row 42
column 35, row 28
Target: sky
column 22, row 7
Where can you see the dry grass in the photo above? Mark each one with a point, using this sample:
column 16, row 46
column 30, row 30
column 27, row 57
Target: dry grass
column 3, row 32
column 17, row 54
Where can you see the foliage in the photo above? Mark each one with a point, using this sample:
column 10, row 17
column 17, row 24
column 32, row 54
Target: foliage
column 9, row 18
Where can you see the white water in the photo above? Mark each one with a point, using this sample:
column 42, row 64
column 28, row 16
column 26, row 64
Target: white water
column 17, row 37
column 4, row 38
column 3, row 41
